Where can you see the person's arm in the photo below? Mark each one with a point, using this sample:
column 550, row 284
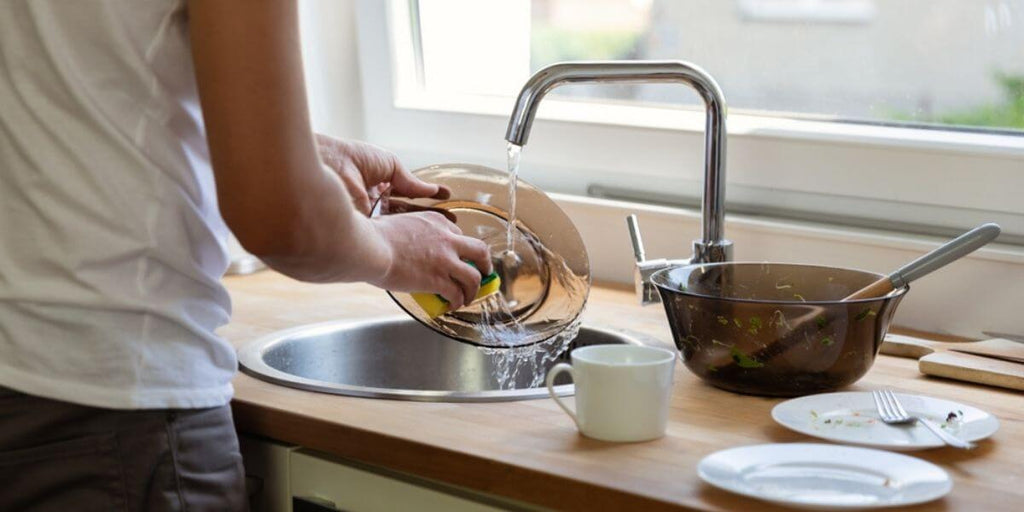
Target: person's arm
column 274, row 192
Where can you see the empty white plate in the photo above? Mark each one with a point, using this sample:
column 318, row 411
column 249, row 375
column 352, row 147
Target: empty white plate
column 851, row 417
column 825, row 476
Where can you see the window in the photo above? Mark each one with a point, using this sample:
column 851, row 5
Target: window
column 948, row 62
column 895, row 114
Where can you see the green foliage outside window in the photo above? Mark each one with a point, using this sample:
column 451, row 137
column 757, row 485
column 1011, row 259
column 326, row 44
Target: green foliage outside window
column 549, row 45
column 1008, row 114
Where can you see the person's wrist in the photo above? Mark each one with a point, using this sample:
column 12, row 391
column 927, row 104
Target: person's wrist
column 380, row 256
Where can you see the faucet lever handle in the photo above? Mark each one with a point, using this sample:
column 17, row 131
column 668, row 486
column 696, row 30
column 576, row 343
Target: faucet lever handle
column 646, row 291
column 634, row 236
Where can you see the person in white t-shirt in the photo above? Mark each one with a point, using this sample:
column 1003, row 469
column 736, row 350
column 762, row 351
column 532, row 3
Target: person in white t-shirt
column 133, row 135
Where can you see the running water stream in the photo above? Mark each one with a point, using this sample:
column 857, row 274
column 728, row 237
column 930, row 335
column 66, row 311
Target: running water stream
column 510, row 259
column 513, row 151
column 500, row 330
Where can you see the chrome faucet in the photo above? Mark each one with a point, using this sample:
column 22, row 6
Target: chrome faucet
column 712, row 246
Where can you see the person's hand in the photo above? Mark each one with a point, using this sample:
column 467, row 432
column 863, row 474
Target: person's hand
column 428, row 253
column 366, row 170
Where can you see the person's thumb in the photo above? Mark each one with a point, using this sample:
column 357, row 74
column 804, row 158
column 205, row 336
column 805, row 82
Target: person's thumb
column 403, row 183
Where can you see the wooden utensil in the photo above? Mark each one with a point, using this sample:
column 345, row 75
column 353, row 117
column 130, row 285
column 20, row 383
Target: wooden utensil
column 995, row 362
column 945, row 254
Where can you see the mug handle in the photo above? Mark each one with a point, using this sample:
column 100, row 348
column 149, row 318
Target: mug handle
column 550, row 381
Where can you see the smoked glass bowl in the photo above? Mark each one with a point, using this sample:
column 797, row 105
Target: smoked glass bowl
column 545, row 288
column 774, row 329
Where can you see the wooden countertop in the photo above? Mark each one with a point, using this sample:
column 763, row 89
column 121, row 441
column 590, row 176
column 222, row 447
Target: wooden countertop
column 530, row 450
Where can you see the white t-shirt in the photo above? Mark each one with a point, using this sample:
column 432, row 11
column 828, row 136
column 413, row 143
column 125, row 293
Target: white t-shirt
column 111, row 244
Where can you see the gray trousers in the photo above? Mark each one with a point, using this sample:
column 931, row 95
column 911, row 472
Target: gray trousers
column 61, row 456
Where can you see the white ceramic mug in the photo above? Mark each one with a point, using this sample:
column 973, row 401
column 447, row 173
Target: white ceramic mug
column 622, row 391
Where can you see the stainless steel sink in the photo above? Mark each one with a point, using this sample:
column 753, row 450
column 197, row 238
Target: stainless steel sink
column 400, row 359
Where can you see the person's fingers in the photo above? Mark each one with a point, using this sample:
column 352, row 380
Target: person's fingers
column 398, row 206
column 382, row 166
column 405, row 184
column 472, row 249
column 376, row 166
column 354, row 185
column 331, row 151
column 467, row 277
column 441, row 220
column 452, row 292
column 443, row 192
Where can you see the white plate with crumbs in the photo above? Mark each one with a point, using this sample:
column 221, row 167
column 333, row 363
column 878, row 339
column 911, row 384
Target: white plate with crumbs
column 851, row 418
column 825, row 476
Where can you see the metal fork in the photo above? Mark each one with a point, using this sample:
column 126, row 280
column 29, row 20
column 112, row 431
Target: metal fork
column 893, row 413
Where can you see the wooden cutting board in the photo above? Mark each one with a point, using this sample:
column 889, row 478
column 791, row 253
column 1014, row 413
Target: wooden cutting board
column 971, row 361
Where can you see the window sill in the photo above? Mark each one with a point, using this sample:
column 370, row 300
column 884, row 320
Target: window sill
column 741, row 124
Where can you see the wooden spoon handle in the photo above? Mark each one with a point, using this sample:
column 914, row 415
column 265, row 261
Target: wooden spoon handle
column 944, row 255
column 879, row 288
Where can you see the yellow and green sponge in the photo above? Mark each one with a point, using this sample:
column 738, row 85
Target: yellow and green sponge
column 435, row 305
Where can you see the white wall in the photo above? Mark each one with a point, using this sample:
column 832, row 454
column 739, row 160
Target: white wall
column 331, row 58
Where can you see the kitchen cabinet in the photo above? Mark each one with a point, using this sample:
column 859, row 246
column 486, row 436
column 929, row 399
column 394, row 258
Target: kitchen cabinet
column 287, row 478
